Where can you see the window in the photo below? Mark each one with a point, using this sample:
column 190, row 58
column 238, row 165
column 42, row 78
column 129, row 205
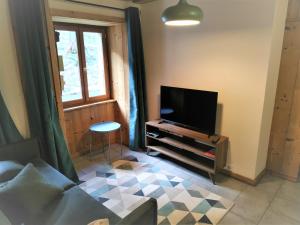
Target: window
column 82, row 53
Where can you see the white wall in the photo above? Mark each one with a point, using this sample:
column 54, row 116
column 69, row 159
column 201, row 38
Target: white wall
column 10, row 83
column 229, row 52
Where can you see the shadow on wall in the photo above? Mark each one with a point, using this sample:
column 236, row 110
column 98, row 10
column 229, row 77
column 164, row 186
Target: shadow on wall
column 155, row 53
column 219, row 118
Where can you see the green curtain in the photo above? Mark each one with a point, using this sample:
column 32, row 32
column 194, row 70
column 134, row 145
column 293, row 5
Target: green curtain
column 29, row 23
column 8, row 131
column 137, row 77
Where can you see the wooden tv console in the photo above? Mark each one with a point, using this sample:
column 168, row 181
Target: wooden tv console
column 188, row 146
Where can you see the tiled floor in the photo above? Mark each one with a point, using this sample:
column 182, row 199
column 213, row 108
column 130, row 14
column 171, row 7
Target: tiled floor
column 272, row 202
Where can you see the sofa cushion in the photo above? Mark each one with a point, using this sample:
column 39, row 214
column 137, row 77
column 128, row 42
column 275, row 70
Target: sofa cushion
column 21, row 151
column 9, row 169
column 76, row 208
column 52, row 175
column 27, row 194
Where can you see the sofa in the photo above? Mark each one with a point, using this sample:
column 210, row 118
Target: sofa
column 74, row 206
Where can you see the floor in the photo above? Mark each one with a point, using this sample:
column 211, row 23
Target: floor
column 272, row 202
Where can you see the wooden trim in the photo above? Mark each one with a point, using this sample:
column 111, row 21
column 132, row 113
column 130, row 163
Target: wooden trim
column 83, row 74
column 69, row 27
column 103, row 31
column 79, row 29
column 118, row 61
column 244, row 179
column 289, row 178
column 96, row 5
column 88, row 16
column 89, row 105
column 54, row 66
column 260, row 176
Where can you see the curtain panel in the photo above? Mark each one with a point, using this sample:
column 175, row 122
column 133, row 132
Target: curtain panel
column 137, row 76
column 29, row 25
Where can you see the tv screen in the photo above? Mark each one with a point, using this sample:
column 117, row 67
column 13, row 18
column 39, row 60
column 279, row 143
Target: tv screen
column 191, row 108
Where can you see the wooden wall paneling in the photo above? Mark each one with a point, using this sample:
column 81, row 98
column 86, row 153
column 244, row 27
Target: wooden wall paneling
column 101, row 114
column 290, row 160
column 285, row 133
column 119, row 75
column 78, row 122
column 293, row 10
column 86, row 16
column 126, row 83
column 282, row 107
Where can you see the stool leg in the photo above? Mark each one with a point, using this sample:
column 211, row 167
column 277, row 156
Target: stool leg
column 109, row 148
column 121, row 138
column 103, row 145
column 91, row 142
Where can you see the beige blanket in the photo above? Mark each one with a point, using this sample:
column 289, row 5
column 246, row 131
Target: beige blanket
column 100, row 222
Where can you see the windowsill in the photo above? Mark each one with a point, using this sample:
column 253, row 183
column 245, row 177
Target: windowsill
column 69, row 109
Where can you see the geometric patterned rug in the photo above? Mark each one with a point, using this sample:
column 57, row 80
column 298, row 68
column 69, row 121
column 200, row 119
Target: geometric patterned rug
column 128, row 184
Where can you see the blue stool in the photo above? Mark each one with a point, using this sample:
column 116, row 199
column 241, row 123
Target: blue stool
column 106, row 128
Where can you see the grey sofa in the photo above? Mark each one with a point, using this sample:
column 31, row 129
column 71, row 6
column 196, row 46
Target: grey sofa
column 75, row 207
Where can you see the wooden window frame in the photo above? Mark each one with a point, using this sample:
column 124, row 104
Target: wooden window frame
column 79, row 29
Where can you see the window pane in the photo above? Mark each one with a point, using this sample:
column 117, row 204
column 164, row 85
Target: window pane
column 70, row 72
column 94, row 63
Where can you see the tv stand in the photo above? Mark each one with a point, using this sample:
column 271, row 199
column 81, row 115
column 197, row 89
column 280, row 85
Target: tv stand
column 188, row 146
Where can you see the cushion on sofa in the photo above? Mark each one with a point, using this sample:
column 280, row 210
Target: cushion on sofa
column 76, row 208
column 52, row 174
column 27, row 194
column 9, row 169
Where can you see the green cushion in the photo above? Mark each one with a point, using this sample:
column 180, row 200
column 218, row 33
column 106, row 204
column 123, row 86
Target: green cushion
column 9, row 169
column 27, row 195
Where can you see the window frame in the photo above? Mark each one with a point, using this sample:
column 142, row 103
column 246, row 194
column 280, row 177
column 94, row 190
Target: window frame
column 79, row 29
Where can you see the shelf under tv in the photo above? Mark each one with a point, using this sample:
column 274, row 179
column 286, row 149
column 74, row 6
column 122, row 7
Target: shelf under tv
column 188, row 146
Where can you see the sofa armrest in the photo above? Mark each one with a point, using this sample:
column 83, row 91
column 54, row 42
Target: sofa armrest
column 22, row 151
column 146, row 214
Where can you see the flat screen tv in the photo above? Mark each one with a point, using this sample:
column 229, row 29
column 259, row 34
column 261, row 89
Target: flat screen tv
column 195, row 109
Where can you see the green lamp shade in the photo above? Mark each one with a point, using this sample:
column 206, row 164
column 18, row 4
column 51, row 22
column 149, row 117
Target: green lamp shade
column 182, row 14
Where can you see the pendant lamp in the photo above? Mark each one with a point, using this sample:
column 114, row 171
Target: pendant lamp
column 182, row 14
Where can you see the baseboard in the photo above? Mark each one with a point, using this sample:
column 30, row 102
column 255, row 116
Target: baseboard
column 286, row 177
column 244, row 179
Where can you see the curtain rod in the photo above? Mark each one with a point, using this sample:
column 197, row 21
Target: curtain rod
column 97, row 5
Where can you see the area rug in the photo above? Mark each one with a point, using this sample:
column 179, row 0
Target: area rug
column 128, row 184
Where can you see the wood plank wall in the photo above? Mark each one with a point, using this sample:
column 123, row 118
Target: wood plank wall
column 284, row 147
column 78, row 122
column 117, row 36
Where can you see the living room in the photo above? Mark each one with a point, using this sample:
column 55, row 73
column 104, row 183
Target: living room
column 190, row 124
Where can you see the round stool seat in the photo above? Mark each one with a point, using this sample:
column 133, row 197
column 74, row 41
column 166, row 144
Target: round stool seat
column 105, row 127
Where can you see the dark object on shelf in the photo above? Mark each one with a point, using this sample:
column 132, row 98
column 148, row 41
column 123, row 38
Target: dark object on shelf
column 153, row 134
column 188, row 146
